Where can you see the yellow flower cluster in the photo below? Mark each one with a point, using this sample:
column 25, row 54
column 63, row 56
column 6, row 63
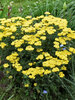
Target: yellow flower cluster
column 71, row 49
column 29, row 36
column 14, row 60
column 2, row 44
column 20, row 49
column 29, row 48
column 61, row 74
column 40, row 57
column 32, row 72
column 17, row 43
column 52, row 62
column 13, row 57
column 63, row 54
column 63, row 68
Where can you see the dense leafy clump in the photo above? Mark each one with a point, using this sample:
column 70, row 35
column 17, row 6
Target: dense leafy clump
column 35, row 48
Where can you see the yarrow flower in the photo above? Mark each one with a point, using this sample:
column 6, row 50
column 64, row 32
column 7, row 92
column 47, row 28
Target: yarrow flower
column 47, row 12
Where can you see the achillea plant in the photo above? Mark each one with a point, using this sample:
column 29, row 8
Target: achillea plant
column 33, row 49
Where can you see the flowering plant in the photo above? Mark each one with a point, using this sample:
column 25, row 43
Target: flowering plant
column 33, row 49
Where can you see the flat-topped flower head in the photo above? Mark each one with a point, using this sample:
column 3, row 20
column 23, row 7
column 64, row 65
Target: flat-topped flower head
column 6, row 65
column 29, row 48
column 47, row 13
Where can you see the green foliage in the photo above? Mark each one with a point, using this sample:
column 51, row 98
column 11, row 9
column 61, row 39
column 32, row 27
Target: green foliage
column 69, row 14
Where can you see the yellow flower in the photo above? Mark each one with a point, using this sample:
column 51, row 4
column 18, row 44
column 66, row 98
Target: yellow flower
column 12, row 37
column 26, row 85
column 6, row 65
column 38, row 43
column 30, row 64
column 34, row 63
column 74, row 51
column 8, row 34
column 47, row 13
column 7, row 72
column 20, row 49
column 40, row 57
column 63, row 68
column 13, row 28
column 61, row 74
column 28, row 17
column 46, row 54
column 41, row 75
column 29, row 48
column 17, row 43
column 39, row 50
column 71, row 49
column 43, row 37
column 55, row 69
column 19, row 68
column 31, row 76
column 10, row 77
column 13, row 57
column 35, row 84
column 56, row 44
column 47, row 72
column 2, row 45
column 24, row 72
